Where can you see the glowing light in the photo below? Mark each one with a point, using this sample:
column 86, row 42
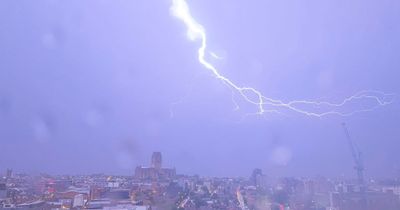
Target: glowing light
column 214, row 55
column 196, row 31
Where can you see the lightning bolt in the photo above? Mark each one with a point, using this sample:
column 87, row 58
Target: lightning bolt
column 196, row 31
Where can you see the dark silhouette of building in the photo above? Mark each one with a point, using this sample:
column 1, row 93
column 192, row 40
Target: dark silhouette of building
column 155, row 171
column 156, row 160
column 9, row 173
column 258, row 179
column 3, row 191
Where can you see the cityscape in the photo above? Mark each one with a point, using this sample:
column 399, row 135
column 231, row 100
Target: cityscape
column 199, row 105
column 156, row 187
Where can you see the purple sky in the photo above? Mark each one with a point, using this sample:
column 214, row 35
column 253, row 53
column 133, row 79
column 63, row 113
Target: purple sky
column 89, row 86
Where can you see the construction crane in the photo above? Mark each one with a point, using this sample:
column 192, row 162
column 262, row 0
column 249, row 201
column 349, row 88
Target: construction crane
column 357, row 157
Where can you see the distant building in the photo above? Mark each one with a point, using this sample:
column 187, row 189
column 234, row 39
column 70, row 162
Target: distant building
column 9, row 173
column 78, row 201
column 258, row 179
column 374, row 201
column 113, row 184
column 309, row 187
column 156, row 160
column 155, row 171
column 116, row 194
column 3, row 191
column 96, row 192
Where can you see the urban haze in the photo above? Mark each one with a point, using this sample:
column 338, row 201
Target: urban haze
column 109, row 105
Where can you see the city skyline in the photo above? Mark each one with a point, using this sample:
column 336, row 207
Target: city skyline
column 95, row 87
column 155, row 187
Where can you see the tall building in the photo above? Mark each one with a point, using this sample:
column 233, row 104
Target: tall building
column 258, row 179
column 155, row 171
column 3, row 191
column 156, row 160
column 9, row 173
column 256, row 173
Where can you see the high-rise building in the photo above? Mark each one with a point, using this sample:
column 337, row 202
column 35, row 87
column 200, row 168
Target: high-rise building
column 256, row 173
column 156, row 160
column 258, row 179
column 9, row 173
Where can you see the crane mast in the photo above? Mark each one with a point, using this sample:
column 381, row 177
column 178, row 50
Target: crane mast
column 357, row 157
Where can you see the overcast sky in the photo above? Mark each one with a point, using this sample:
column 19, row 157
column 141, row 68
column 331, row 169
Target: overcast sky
column 97, row 86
